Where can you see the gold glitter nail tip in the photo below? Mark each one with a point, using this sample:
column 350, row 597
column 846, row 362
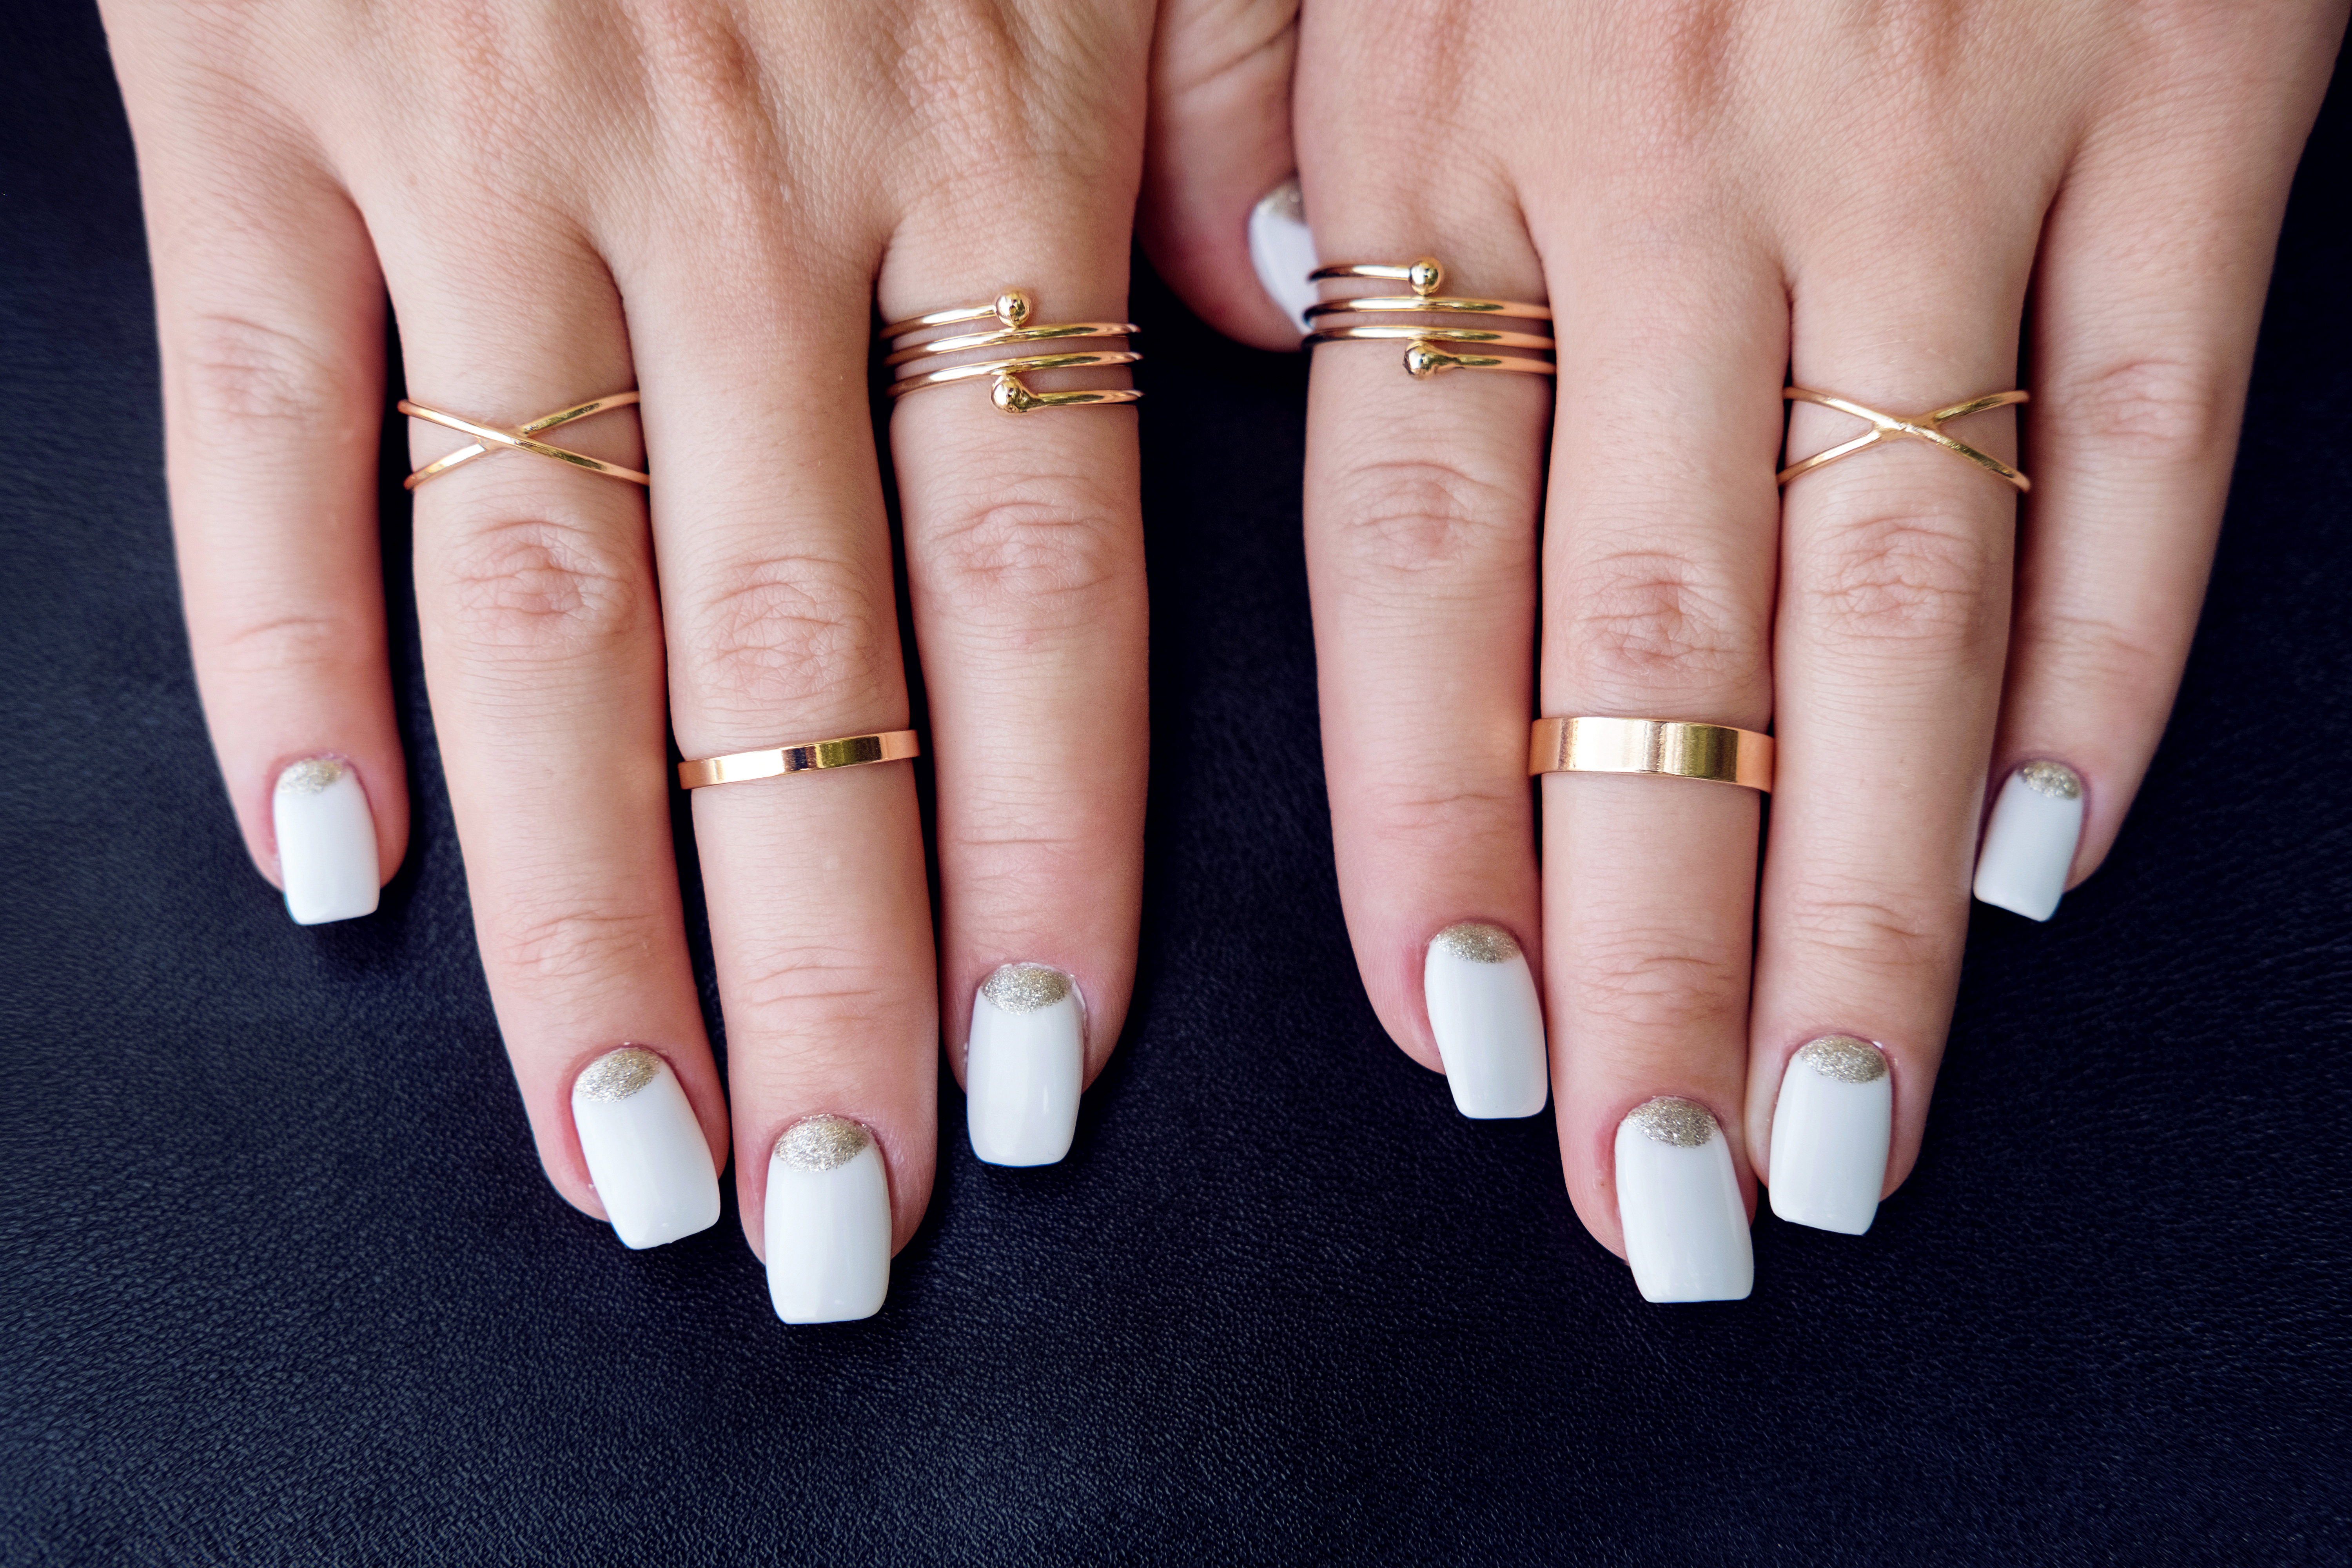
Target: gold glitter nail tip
column 1844, row 1058
column 617, row 1075
column 821, row 1142
column 2056, row 780
column 312, row 774
column 1025, row 987
column 1683, row 1124
column 1475, row 941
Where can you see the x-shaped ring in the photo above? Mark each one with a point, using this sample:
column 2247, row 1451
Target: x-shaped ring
column 1919, row 428
column 488, row 438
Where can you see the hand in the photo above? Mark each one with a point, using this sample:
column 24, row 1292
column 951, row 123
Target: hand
column 706, row 202
column 1719, row 201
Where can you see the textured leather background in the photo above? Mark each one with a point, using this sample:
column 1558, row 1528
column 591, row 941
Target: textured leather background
column 280, row 1280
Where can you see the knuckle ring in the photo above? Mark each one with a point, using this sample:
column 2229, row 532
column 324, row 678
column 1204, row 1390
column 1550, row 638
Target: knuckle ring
column 1010, row 310
column 1928, row 427
column 488, row 438
column 1423, row 356
column 1715, row 752
column 808, row 756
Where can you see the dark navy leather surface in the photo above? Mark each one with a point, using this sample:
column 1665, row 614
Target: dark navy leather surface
column 280, row 1279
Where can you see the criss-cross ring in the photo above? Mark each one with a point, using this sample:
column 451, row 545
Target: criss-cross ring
column 1926, row 427
column 488, row 438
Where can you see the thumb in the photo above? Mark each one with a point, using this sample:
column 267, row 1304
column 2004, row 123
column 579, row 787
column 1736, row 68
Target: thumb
column 1220, row 216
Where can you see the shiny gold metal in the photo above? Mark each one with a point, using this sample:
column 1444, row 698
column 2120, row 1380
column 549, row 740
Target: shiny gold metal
column 489, row 437
column 1011, row 312
column 849, row 752
column 1715, row 752
column 1926, row 427
column 1423, row 357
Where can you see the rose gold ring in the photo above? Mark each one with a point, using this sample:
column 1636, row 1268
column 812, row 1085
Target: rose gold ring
column 849, row 752
column 1926, row 427
column 1423, row 355
column 1715, row 752
column 488, row 438
column 1010, row 310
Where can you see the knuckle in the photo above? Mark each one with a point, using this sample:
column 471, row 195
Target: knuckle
column 575, row 946
column 1428, row 819
column 537, row 586
column 1654, row 984
column 813, row 996
column 1031, row 560
column 286, row 645
column 2082, row 654
column 1641, row 624
column 1918, row 581
column 1881, row 935
column 244, row 376
column 786, row 631
column 1410, row 518
column 2148, row 407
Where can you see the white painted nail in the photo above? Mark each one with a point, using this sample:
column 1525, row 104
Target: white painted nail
column 1281, row 248
column 2030, row 844
column 1829, row 1132
column 1686, row 1228
column 645, row 1150
column 1488, row 1023
column 1022, row 1069
column 828, row 1223
column 326, row 842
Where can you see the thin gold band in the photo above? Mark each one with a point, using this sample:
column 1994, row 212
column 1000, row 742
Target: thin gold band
column 1423, row 356
column 1926, row 427
column 849, row 752
column 1010, row 310
column 1715, row 752
column 489, row 437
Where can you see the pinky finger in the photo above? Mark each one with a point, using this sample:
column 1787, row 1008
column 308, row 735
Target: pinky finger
column 2150, row 291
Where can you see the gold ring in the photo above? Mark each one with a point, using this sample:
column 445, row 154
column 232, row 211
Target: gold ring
column 1926, row 427
column 849, row 752
column 1715, row 752
column 488, row 438
column 1423, row 356
column 1010, row 310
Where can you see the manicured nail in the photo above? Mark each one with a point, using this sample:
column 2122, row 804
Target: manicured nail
column 646, row 1151
column 2030, row 841
column 828, row 1223
column 1490, row 1027
column 1023, row 1069
column 326, row 842
column 1686, row 1228
column 1830, row 1131
column 1281, row 248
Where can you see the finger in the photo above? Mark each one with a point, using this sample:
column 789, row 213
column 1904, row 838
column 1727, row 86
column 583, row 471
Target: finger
column 1658, row 578
column 1894, row 615
column 776, row 583
column 2155, row 261
column 1024, row 557
column 271, row 320
column 1220, row 216
column 542, row 649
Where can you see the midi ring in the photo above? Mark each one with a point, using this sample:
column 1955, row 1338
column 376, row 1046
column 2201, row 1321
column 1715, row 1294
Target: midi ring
column 488, row 438
column 1423, row 356
column 849, row 752
column 1926, row 427
column 1715, row 752
column 1011, row 312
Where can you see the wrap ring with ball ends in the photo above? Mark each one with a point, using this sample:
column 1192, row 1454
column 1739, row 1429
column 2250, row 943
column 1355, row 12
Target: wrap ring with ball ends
column 1450, row 340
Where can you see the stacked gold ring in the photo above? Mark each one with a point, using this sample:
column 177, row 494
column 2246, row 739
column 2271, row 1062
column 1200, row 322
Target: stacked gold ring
column 1010, row 310
column 1423, row 356
column 1671, row 747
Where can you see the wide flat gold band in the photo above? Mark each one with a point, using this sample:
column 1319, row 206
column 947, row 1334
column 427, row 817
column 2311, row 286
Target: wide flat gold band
column 1423, row 356
column 488, row 438
column 1928, row 427
column 849, row 752
column 1010, row 312
column 1715, row 752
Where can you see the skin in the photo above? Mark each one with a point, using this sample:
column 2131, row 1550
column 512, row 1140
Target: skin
column 1718, row 199
column 708, row 201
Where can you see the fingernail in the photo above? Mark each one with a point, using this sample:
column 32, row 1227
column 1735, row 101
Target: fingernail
column 2030, row 841
column 828, row 1223
column 1282, row 249
column 1490, row 1027
column 1023, row 1068
column 326, row 842
column 1830, row 1131
column 1686, row 1228
column 645, row 1150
